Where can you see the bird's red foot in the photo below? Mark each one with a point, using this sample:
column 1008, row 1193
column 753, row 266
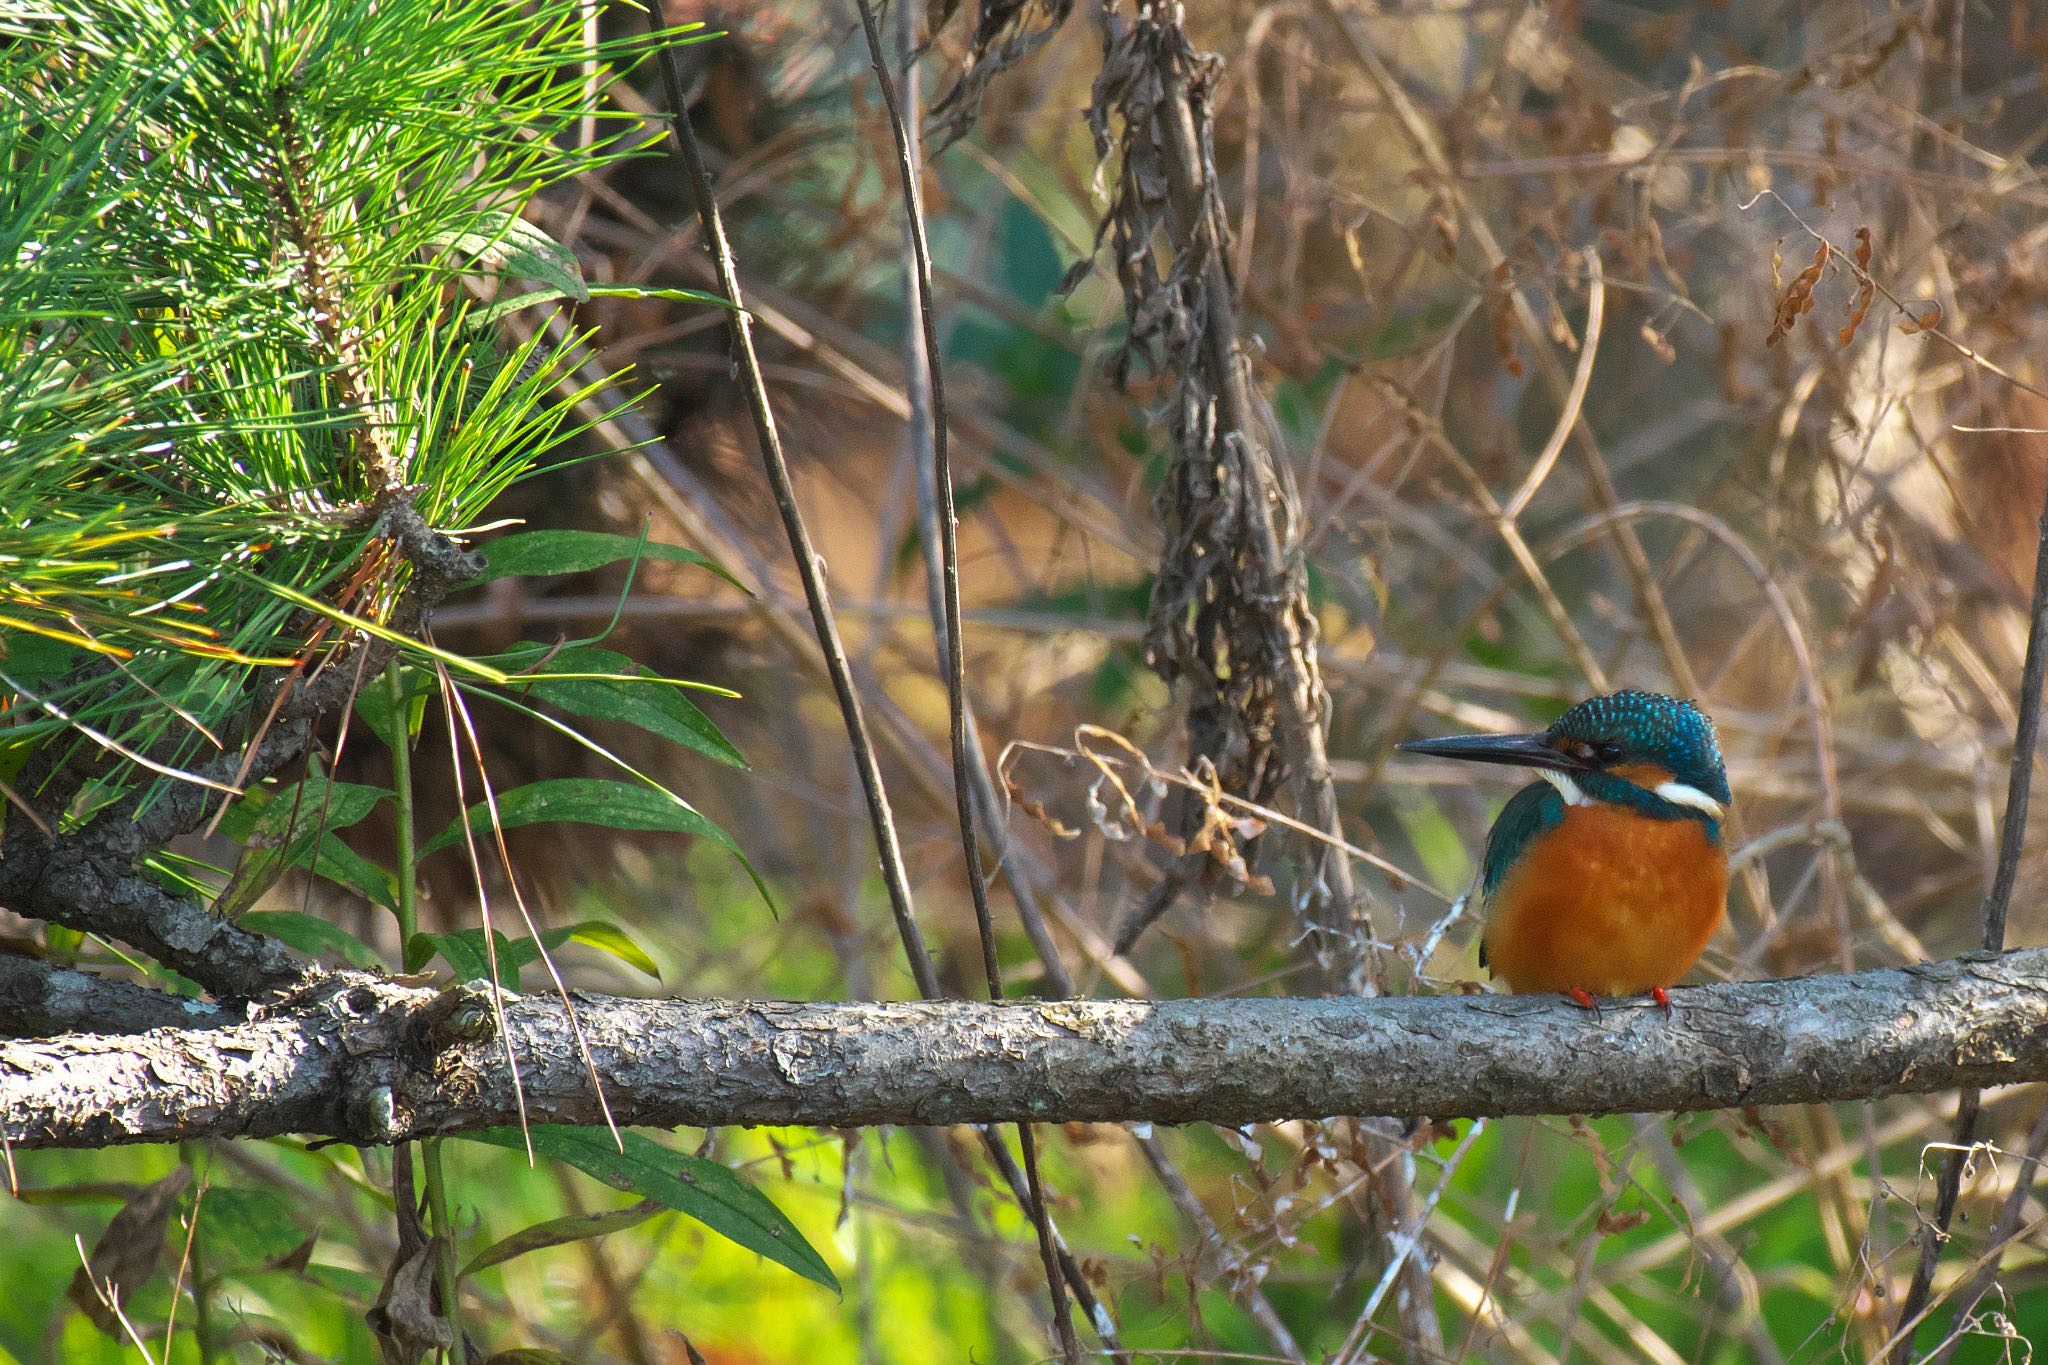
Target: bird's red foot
column 1663, row 999
column 1580, row 997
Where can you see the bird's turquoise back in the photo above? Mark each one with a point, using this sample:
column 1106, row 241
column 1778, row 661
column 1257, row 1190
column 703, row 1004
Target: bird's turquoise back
column 1533, row 810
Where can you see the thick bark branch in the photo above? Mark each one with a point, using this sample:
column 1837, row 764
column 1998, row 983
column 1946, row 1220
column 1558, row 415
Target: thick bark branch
column 38, row 999
column 371, row 1061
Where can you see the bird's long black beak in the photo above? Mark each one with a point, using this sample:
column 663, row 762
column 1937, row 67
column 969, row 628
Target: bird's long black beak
column 1523, row 751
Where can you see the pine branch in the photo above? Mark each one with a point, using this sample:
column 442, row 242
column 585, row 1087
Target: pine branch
column 371, row 1061
column 38, row 999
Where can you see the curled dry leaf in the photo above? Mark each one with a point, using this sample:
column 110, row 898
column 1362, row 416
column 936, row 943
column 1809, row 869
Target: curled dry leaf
column 1053, row 825
column 1797, row 300
column 1611, row 1224
column 1446, row 231
column 1866, row 289
column 1500, row 316
column 126, row 1254
column 1928, row 319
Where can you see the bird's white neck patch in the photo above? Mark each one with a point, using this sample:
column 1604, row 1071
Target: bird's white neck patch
column 1572, row 792
column 1676, row 792
column 1685, row 794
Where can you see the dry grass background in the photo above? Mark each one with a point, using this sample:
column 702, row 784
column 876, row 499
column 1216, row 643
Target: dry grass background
column 1430, row 207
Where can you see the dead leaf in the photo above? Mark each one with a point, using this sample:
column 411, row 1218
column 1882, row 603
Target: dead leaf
column 126, row 1254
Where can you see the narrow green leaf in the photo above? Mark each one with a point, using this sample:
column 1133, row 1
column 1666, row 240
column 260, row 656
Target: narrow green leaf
column 578, row 737
column 316, row 800
column 670, row 294
column 373, row 708
column 500, row 309
column 529, row 661
column 583, row 801
column 606, row 938
column 531, row 553
column 281, row 829
column 313, row 936
column 555, row 1232
column 510, row 245
column 419, row 951
column 339, row 863
column 705, row 1190
column 654, row 705
column 464, row 951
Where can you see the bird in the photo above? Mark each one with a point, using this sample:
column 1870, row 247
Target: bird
column 1607, row 877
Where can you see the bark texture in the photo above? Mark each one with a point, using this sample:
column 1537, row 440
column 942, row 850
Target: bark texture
column 37, row 999
column 371, row 1061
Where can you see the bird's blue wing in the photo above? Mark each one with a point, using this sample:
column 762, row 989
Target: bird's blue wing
column 1532, row 810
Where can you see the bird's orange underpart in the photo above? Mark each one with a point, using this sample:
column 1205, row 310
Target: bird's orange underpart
column 1608, row 902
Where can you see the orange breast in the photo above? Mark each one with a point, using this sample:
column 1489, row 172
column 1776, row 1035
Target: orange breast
column 1607, row 901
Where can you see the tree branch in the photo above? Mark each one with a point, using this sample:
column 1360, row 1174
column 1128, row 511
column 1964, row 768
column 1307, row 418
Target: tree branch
column 38, row 999
column 90, row 880
column 368, row 1060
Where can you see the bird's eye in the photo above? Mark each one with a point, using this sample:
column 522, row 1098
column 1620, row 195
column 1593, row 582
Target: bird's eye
column 1607, row 752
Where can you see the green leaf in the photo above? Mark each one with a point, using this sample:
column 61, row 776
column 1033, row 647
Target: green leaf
column 656, row 705
column 313, row 936
column 499, row 309
column 510, row 245
column 247, row 1227
column 531, row 553
column 606, row 938
column 583, row 801
column 705, row 1190
column 281, row 829
column 373, row 708
column 35, row 658
column 555, row 1232
column 464, row 951
column 339, row 863
column 530, row 661
column 316, row 800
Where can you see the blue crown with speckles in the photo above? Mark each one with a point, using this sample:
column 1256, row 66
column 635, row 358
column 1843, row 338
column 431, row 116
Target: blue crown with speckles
column 1650, row 727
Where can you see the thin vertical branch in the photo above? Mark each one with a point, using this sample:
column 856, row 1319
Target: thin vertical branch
column 809, row 564
column 2011, row 843
column 922, row 389
column 919, row 283
column 809, row 568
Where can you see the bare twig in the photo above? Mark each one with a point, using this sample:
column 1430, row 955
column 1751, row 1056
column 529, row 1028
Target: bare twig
column 809, row 568
column 2011, row 843
column 809, row 564
column 2001, row 1235
column 920, row 285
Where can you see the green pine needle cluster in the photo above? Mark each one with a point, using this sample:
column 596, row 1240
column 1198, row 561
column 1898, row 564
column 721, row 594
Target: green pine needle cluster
column 248, row 255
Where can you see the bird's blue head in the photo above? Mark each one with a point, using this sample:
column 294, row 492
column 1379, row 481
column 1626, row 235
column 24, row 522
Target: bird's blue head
column 1655, row 753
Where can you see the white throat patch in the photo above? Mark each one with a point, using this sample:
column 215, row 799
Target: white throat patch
column 1677, row 793
column 1573, row 794
column 1684, row 794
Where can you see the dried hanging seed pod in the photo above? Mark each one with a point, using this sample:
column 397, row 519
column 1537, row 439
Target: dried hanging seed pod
column 1798, row 297
column 1500, row 313
column 1927, row 321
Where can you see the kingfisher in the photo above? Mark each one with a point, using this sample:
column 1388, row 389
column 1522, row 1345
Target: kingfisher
column 1608, row 876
